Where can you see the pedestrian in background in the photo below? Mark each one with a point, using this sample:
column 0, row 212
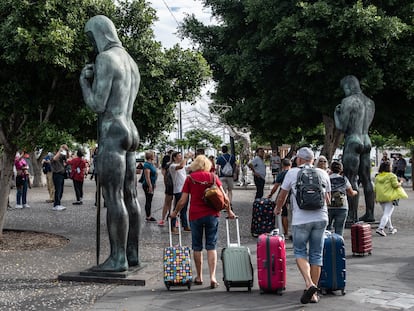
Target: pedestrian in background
column 388, row 190
column 226, row 178
column 22, row 180
column 168, row 187
column 58, row 164
column 47, row 170
column 148, row 183
column 78, row 166
column 258, row 168
column 340, row 188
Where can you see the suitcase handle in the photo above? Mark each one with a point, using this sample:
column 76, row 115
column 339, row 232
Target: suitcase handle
column 228, row 232
column 170, row 231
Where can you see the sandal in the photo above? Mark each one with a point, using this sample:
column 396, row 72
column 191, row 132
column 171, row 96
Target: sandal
column 315, row 298
column 214, row 285
column 307, row 294
column 198, row 282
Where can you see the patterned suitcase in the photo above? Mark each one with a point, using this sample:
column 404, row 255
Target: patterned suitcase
column 263, row 219
column 361, row 236
column 271, row 262
column 177, row 263
column 237, row 264
column 333, row 273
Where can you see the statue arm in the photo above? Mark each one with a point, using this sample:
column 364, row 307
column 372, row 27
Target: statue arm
column 97, row 94
column 341, row 118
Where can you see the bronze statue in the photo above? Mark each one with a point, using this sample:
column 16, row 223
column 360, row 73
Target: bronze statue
column 109, row 88
column 353, row 117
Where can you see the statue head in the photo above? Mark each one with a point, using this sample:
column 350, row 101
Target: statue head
column 350, row 85
column 102, row 33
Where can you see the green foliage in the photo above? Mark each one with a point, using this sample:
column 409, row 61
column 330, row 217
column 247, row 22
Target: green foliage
column 199, row 138
column 279, row 63
column 44, row 48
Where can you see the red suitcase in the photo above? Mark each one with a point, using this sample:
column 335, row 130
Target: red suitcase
column 271, row 262
column 361, row 236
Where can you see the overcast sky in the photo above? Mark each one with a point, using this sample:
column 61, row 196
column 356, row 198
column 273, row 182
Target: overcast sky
column 171, row 12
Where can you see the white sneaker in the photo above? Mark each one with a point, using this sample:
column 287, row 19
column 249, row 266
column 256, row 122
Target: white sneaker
column 381, row 232
column 60, row 208
column 19, row 206
column 55, row 208
column 392, row 231
column 26, row 205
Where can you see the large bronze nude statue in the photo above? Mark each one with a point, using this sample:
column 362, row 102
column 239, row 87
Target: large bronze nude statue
column 109, row 88
column 353, row 117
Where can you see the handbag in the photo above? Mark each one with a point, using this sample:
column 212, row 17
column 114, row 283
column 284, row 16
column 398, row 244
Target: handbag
column 213, row 196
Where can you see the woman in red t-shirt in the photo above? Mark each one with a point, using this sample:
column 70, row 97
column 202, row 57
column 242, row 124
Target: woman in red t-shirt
column 203, row 219
column 78, row 169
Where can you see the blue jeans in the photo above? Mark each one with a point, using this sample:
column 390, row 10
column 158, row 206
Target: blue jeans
column 207, row 225
column 58, row 182
column 260, row 183
column 21, row 193
column 337, row 217
column 183, row 212
column 312, row 233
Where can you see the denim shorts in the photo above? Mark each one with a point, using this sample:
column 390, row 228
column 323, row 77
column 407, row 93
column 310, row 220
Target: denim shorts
column 207, row 225
column 312, row 233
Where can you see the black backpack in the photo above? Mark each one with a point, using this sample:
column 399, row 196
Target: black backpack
column 309, row 189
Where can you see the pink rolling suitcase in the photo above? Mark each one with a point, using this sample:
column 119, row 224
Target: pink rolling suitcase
column 271, row 262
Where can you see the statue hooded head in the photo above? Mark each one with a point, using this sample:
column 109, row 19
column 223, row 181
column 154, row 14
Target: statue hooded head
column 350, row 85
column 102, row 33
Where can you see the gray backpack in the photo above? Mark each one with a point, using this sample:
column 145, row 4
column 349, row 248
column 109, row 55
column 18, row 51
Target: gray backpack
column 309, row 189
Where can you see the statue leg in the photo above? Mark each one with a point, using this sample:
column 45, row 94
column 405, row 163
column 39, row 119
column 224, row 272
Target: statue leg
column 351, row 163
column 112, row 181
column 365, row 175
column 134, row 211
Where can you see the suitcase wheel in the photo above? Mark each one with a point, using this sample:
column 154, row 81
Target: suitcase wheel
column 249, row 289
column 168, row 285
column 343, row 292
column 189, row 285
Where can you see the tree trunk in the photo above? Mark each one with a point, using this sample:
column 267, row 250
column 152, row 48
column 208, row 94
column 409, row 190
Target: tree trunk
column 6, row 176
column 37, row 169
column 332, row 139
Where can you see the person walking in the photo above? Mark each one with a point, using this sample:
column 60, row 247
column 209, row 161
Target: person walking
column 178, row 173
column 340, row 188
column 388, row 190
column 58, row 164
column 47, row 170
column 308, row 226
column 275, row 164
column 148, row 183
column 168, row 187
column 226, row 171
column 203, row 219
column 258, row 168
column 79, row 166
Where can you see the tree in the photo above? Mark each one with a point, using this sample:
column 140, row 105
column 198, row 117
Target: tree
column 45, row 47
column 279, row 63
column 199, row 138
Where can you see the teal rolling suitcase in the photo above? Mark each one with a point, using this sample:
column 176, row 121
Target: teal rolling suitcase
column 237, row 265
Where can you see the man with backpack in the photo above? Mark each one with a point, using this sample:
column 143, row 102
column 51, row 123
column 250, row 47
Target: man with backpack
column 310, row 188
column 226, row 167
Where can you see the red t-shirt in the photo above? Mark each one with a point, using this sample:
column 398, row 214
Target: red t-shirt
column 198, row 208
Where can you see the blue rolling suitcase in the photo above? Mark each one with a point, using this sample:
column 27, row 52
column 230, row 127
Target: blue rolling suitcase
column 333, row 273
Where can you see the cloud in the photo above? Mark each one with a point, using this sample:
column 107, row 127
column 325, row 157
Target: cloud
column 166, row 28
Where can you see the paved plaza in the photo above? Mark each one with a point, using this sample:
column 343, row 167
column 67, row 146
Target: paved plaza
column 28, row 279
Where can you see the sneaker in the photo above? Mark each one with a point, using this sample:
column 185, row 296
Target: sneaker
column 77, row 203
column 161, row 223
column 392, row 231
column 174, row 231
column 58, row 208
column 26, row 205
column 187, row 229
column 381, row 232
column 50, row 201
column 19, row 206
column 151, row 219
